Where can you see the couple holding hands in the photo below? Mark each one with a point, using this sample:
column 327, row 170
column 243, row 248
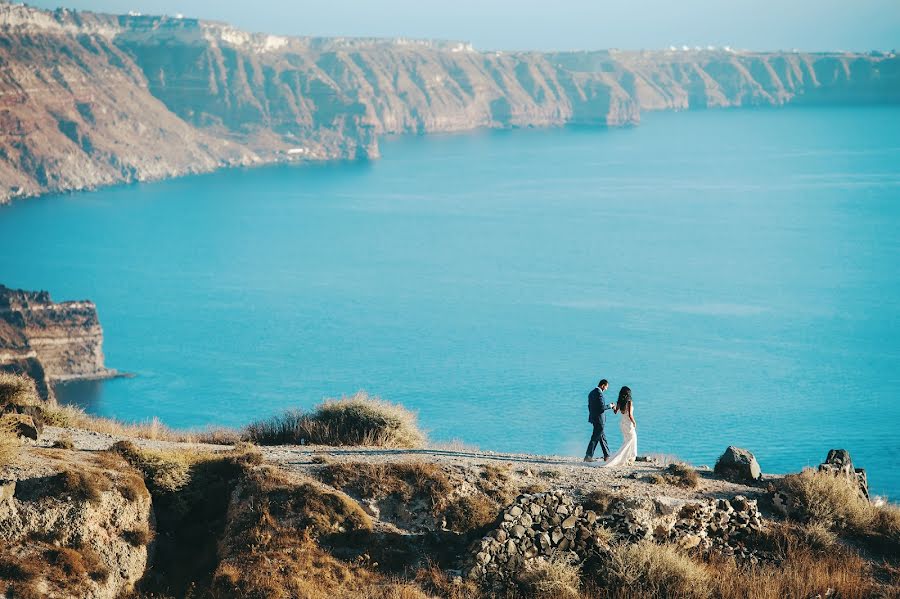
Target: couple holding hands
column 624, row 406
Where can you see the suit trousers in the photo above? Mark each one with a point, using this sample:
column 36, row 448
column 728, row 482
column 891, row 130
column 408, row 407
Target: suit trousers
column 598, row 436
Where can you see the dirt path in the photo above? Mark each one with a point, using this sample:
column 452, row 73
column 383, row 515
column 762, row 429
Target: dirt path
column 558, row 472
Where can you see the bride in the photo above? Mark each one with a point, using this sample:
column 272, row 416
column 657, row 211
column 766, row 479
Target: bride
column 628, row 452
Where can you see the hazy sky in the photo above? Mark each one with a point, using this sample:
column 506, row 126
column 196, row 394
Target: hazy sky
column 556, row 24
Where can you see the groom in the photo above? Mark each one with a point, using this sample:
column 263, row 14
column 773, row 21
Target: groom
column 596, row 408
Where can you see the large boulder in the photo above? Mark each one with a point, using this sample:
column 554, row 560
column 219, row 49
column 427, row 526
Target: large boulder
column 738, row 465
column 838, row 463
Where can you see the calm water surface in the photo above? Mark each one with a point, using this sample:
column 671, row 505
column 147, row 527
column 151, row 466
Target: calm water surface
column 738, row 269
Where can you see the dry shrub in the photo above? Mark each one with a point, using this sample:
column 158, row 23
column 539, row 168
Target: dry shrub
column 552, row 578
column 533, row 488
column 64, row 442
column 469, row 512
column 270, row 548
column 10, row 446
column 678, row 474
column 357, row 420
column 83, row 485
column 406, row 480
column 132, row 488
column 834, row 503
column 17, row 390
column 803, row 574
column 600, row 501
column 218, row 436
column 138, row 537
column 67, row 416
column 496, row 482
column 657, row 571
column 77, row 564
column 436, row 582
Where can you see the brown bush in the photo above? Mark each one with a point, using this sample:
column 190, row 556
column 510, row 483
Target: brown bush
column 17, row 390
column 138, row 537
column 470, row 512
column 406, row 480
column 552, row 578
column 658, row 571
column 77, row 564
column 10, row 446
column 834, row 503
column 85, row 485
column 600, row 501
column 678, row 474
column 64, row 442
column 357, row 420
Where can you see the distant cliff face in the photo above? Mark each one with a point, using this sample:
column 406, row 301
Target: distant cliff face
column 89, row 99
column 51, row 342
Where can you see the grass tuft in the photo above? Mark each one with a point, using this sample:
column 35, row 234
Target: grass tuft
column 832, row 502
column 357, row 420
column 552, row 578
column 678, row 474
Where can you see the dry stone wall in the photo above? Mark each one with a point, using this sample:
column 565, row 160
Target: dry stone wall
column 555, row 525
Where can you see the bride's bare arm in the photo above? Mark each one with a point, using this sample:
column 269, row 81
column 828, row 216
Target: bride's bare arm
column 631, row 414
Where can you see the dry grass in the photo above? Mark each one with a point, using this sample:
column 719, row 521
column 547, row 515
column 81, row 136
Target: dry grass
column 405, row 480
column 138, row 537
column 357, row 420
column 600, row 501
column 469, row 512
column 803, row 574
column 68, row 416
column 64, row 442
column 10, row 446
column 657, row 571
column 82, row 485
column 834, row 503
column 552, row 578
column 270, row 547
column 65, row 571
column 18, row 390
column 678, row 474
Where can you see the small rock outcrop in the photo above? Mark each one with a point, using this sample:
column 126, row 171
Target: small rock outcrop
column 738, row 465
column 838, row 463
column 50, row 342
column 73, row 524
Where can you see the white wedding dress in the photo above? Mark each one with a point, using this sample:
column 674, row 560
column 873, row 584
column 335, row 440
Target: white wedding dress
column 628, row 452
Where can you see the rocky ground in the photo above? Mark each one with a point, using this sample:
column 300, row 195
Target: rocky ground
column 89, row 514
column 566, row 473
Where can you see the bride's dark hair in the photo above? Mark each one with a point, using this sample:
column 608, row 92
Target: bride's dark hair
column 624, row 399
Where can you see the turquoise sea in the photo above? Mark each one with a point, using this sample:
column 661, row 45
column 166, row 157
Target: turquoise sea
column 739, row 269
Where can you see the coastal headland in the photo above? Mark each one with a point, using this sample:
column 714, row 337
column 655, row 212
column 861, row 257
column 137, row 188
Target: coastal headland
column 91, row 99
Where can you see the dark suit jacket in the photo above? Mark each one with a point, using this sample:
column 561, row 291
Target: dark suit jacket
column 596, row 406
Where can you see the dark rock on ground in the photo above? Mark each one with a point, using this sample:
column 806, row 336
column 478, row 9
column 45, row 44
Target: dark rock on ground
column 739, row 465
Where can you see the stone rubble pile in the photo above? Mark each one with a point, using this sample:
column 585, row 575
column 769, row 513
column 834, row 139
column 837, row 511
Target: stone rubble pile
column 537, row 525
column 718, row 525
column 553, row 524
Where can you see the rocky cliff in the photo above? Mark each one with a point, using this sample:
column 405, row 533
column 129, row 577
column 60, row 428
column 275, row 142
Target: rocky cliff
column 89, row 99
column 49, row 341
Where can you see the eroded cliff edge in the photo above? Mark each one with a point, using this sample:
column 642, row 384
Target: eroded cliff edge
column 90, row 99
column 51, row 342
